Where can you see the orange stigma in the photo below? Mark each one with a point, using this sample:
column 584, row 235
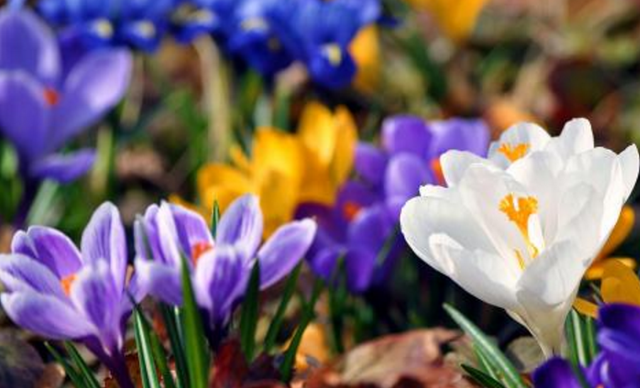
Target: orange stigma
column 436, row 167
column 51, row 96
column 513, row 152
column 199, row 249
column 66, row 283
column 350, row 210
column 518, row 211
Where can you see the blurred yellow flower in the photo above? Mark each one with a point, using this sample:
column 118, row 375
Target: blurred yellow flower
column 285, row 169
column 619, row 285
column 618, row 235
column 455, row 18
column 365, row 49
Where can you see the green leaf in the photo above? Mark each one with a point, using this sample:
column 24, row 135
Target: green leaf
column 499, row 362
column 74, row 375
column 250, row 313
column 276, row 322
column 337, row 304
column 145, row 352
column 215, row 219
column 577, row 339
column 160, row 357
column 286, row 368
column 485, row 365
column 481, row 378
column 170, row 318
column 591, row 338
column 81, row 366
column 194, row 338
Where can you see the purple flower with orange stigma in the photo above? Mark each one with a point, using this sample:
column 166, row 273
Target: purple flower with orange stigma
column 365, row 216
column 221, row 267
column 42, row 105
column 62, row 293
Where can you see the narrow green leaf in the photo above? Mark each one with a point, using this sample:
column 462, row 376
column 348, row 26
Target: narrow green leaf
column 145, row 352
column 73, row 374
column 286, row 368
column 485, row 365
column 249, row 316
column 576, row 339
column 81, row 366
column 215, row 219
column 276, row 322
column 508, row 373
column 481, row 378
column 194, row 338
column 590, row 339
column 175, row 341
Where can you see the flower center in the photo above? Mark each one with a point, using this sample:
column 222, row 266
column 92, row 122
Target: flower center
column 513, row 152
column 436, row 167
column 103, row 28
column 199, row 249
column 332, row 53
column 51, row 97
column 350, row 210
column 66, row 283
column 518, row 211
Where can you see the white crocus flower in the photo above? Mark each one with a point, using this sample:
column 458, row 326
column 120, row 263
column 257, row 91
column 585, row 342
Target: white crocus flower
column 519, row 232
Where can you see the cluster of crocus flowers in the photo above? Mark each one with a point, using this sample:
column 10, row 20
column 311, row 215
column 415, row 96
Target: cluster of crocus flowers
column 270, row 35
column 60, row 292
column 220, row 266
column 363, row 219
column 90, row 24
column 286, row 169
column 519, row 229
column 44, row 104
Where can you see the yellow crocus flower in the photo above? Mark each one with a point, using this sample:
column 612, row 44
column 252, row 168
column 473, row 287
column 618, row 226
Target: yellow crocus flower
column 618, row 235
column 619, row 285
column 455, row 18
column 285, row 169
column 365, row 49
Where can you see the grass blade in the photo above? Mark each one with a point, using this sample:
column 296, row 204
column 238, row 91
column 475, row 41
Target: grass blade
column 215, row 219
column 509, row 375
column 276, row 322
column 286, row 368
column 250, row 312
column 575, row 338
column 81, row 366
column 194, row 338
column 73, row 374
column 176, row 343
column 481, row 378
column 145, row 352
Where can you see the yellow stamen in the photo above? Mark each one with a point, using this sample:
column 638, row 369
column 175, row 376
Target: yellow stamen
column 66, row 283
column 518, row 211
column 350, row 210
column 513, row 152
column 436, row 167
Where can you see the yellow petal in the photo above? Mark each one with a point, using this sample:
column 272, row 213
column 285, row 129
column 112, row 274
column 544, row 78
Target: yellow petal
column 620, row 284
column 585, row 307
column 276, row 151
column 365, row 49
column 279, row 196
column 620, row 232
column 240, row 159
column 597, row 268
column 219, row 182
column 456, row 18
column 318, row 132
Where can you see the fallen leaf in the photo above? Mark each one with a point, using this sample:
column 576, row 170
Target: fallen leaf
column 407, row 360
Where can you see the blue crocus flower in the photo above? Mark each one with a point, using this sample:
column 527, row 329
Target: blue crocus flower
column 42, row 106
column 140, row 24
column 193, row 18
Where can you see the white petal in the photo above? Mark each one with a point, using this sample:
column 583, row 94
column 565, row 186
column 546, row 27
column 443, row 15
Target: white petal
column 576, row 137
column 630, row 163
column 523, row 133
column 454, row 164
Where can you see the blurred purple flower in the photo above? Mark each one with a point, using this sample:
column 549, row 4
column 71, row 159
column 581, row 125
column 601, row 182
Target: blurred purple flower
column 617, row 364
column 41, row 106
column 220, row 268
column 363, row 219
column 60, row 292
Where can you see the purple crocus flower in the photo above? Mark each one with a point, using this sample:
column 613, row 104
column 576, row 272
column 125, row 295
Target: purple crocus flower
column 60, row 292
column 42, row 106
column 220, row 267
column 617, row 364
column 365, row 216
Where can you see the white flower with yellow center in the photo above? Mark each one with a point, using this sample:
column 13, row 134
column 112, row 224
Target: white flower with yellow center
column 519, row 229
